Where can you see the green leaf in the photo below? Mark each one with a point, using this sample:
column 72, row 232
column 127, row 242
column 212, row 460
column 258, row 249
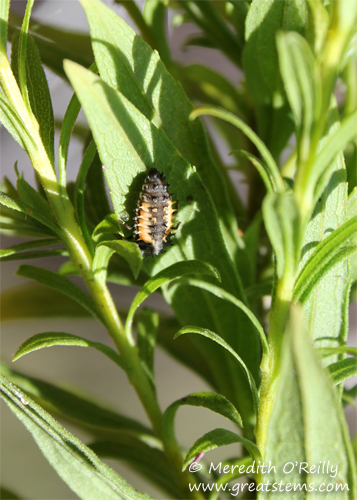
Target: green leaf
column 342, row 349
column 269, row 164
column 38, row 91
column 325, row 306
column 137, row 144
column 166, row 275
column 60, row 284
column 302, row 86
column 317, row 26
column 217, row 438
column 35, row 301
column 4, row 17
column 79, row 192
column 337, row 141
column 126, row 63
column 76, row 464
column 261, row 66
column 282, row 222
column 14, row 249
column 147, row 326
column 20, row 206
column 352, row 204
column 222, row 294
column 216, row 338
column 216, row 30
column 22, row 55
column 326, row 255
column 214, row 402
column 82, row 410
column 126, row 249
column 109, row 225
column 185, row 351
column 55, row 44
column 14, row 125
column 49, row 339
column 144, row 458
column 56, row 252
column 307, row 422
column 95, row 197
column 155, row 17
column 343, row 370
column 34, row 200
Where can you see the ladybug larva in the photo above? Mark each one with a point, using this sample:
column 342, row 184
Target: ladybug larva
column 154, row 218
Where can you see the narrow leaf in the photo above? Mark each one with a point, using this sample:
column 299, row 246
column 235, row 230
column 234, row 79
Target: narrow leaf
column 49, row 339
column 175, row 271
column 60, row 284
column 37, row 87
column 14, row 125
column 77, row 465
column 343, row 370
column 327, row 254
column 78, row 408
column 216, row 338
column 25, row 209
column 222, row 294
column 109, row 225
column 217, row 438
column 147, row 326
column 27, row 246
column 281, row 218
column 4, row 17
column 269, row 163
column 33, row 199
column 214, row 402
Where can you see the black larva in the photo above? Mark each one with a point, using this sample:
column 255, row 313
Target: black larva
column 154, row 215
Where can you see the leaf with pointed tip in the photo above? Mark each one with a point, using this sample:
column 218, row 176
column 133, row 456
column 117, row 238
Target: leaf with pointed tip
column 216, row 338
column 109, row 225
column 217, row 438
column 214, row 402
column 49, row 339
column 39, row 94
column 222, row 294
column 30, row 245
column 166, row 275
column 20, row 206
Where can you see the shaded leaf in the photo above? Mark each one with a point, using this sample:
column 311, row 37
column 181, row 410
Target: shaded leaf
column 217, row 438
column 60, row 284
column 327, row 254
column 126, row 249
column 147, row 326
column 216, row 338
column 49, row 339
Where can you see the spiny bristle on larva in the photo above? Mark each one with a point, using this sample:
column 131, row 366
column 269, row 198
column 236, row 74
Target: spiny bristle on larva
column 154, row 215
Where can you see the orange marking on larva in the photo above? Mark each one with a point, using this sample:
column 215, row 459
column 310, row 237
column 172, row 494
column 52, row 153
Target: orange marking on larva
column 152, row 233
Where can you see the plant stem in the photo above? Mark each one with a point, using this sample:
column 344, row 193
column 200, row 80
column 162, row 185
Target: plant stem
column 278, row 319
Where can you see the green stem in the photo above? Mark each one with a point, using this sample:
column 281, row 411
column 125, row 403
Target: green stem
column 278, row 319
column 81, row 256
